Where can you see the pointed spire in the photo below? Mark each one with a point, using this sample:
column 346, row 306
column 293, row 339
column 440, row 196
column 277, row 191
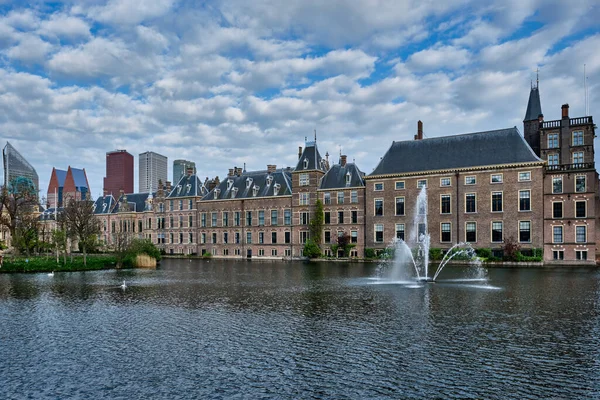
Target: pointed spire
column 534, row 106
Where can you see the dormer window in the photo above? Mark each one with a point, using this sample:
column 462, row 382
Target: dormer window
column 234, row 192
column 216, row 193
column 269, row 180
column 255, row 190
column 178, row 189
column 248, row 183
column 229, row 184
column 188, row 188
column 276, row 188
column 348, row 178
column 305, row 163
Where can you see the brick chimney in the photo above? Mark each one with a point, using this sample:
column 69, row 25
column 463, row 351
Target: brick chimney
column 190, row 171
column 541, row 118
column 230, row 173
column 238, row 171
column 343, row 159
column 299, row 152
column 419, row 135
column 105, row 192
column 271, row 168
column 565, row 111
column 168, row 185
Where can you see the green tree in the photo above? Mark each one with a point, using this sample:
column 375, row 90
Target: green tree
column 316, row 223
column 18, row 202
column 59, row 239
column 311, row 249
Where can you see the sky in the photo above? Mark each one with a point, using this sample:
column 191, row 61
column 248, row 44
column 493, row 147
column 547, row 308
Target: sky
column 234, row 82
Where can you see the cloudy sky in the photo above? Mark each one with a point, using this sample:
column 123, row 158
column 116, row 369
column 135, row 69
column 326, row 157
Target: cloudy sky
column 224, row 83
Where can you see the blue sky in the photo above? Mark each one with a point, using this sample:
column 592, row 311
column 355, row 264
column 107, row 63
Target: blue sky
column 224, row 83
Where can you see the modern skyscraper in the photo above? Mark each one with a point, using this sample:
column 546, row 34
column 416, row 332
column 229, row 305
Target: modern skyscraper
column 119, row 172
column 180, row 168
column 153, row 167
column 16, row 166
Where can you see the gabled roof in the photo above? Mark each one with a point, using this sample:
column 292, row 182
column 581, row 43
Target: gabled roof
column 503, row 146
column 104, row 204
column 188, row 185
column 336, row 177
column 534, row 106
column 60, row 176
column 79, row 178
column 310, row 159
column 135, row 201
column 245, row 184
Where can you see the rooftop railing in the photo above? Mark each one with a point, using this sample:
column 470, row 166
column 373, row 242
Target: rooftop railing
column 570, row 167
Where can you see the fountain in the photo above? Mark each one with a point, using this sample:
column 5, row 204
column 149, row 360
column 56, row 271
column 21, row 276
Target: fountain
column 411, row 258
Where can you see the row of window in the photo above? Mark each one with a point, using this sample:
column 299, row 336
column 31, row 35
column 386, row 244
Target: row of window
column 576, row 158
column 580, row 209
column 340, row 217
column 580, row 184
column 236, row 219
column 161, row 238
column 470, row 203
column 576, row 139
column 524, row 176
column 236, row 237
column 327, row 198
column 579, row 254
column 497, row 232
column 238, row 252
column 190, row 205
column 580, row 234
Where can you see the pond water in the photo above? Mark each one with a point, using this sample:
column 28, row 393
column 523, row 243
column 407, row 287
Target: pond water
column 223, row 329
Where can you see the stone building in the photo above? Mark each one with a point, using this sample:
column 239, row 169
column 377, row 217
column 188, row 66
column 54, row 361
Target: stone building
column 482, row 188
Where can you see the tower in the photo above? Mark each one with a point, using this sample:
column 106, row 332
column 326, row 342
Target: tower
column 152, row 168
column 533, row 118
column 119, row 173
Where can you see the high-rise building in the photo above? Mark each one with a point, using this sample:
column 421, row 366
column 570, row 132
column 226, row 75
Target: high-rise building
column 16, row 166
column 180, row 168
column 153, row 167
column 119, row 172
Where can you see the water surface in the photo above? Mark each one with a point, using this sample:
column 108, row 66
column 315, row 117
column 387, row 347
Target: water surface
column 222, row 329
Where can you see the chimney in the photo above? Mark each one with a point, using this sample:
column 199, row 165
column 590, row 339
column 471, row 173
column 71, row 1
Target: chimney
column 565, row 111
column 190, row 171
column 238, row 171
column 168, row 184
column 419, row 135
column 105, row 192
column 271, row 168
column 230, row 172
column 299, row 152
column 541, row 118
column 343, row 160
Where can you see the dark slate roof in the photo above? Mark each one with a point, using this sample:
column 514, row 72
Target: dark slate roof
column 188, row 185
column 60, row 176
column 503, row 146
column 534, row 106
column 48, row 214
column 79, row 178
column 135, row 201
column 310, row 158
column 247, row 181
column 104, row 204
column 336, row 177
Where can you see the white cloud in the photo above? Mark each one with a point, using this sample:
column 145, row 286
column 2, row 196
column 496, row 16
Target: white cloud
column 62, row 25
column 440, row 57
column 128, row 12
column 30, row 49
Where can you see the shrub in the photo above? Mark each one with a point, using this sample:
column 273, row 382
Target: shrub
column 311, row 249
column 207, row 255
column 435, row 254
column 484, row 253
column 370, row 253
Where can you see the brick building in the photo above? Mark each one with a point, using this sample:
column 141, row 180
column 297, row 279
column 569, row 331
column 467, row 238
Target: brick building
column 482, row 188
column 72, row 183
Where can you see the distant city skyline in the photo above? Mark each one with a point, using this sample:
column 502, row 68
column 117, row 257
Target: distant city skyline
column 235, row 82
column 153, row 167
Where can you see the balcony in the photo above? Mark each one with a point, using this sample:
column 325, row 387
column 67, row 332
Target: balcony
column 572, row 122
column 570, row 167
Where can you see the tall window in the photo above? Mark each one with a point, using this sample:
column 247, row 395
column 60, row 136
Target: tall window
column 379, row 233
column 237, row 238
column 557, row 209
column 225, row 218
column 190, row 221
column 557, row 184
column 354, row 237
column 202, row 220
column 578, row 138
column 274, row 217
column 557, row 234
column 446, row 233
column 303, row 237
column 261, row 237
column 378, row 207
column 354, row 197
column 553, row 159
column 497, row 231
column 340, row 217
column 524, row 200
column 236, row 218
column 304, row 218
column 578, row 157
column 304, row 179
column 580, row 209
column 400, row 231
column 214, row 237
column 445, row 204
column 287, row 237
column 327, row 217
column 354, row 217
column 471, row 232
column 304, row 198
column 340, row 197
column 470, row 203
column 553, row 141
column 327, row 198
column 525, row 231
column 580, row 183
column 213, row 219
column 287, row 217
column 496, row 201
column 225, row 237
column 327, row 237
column 261, row 217
column 399, row 205
column 248, row 218
column 249, row 237
column 580, row 234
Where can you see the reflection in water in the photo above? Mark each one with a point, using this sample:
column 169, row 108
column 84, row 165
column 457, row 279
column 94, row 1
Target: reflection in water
column 294, row 330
